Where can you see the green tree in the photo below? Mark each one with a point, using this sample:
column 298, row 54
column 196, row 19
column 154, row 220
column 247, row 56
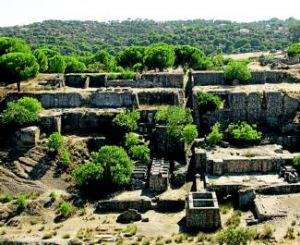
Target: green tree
column 23, row 111
column 131, row 56
column 17, row 67
column 237, row 70
column 243, row 132
column 55, row 141
column 13, row 45
column 127, row 121
column 41, row 59
column 110, row 165
column 104, row 58
column 175, row 118
column 208, row 102
column 294, row 50
column 215, row 136
column 73, row 65
column 131, row 139
column 56, row 64
column 189, row 133
column 159, row 56
column 49, row 52
column 140, row 153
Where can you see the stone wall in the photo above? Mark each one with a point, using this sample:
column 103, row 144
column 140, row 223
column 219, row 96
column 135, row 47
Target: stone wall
column 142, row 204
column 267, row 107
column 147, row 80
column 150, row 80
column 202, row 211
column 85, row 80
column 77, row 119
column 101, row 98
column 159, row 175
column 159, row 96
column 279, row 189
column 204, row 78
column 257, row 164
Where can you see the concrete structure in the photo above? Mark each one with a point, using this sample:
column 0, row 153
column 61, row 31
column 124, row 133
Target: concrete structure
column 258, row 159
column 159, row 175
column 202, row 211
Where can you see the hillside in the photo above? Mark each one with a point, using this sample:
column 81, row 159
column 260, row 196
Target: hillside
column 212, row 36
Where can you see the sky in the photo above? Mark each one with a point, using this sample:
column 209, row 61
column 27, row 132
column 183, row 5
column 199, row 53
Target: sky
column 21, row 12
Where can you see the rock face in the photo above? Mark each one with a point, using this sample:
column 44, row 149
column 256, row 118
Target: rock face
column 129, row 216
column 28, row 136
column 262, row 105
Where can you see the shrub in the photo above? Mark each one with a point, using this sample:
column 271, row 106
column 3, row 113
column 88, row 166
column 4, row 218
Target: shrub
column 208, row 102
column 237, row 70
column 6, row 198
column 53, row 196
column 65, row 158
column 73, row 65
column 140, row 153
column 127, row 75
column 175, row 118
column 55, row 141
column 296, row 160
column 267, row 233
column 131, row 139
column 21, row 201
column 235, row 236
column 234, row 220
column 127, row 121
column 243, row 132
column 294, row 50
column 189, row 133
column 215, row 136
column 66, row 209
column 290, row 233
column 110, row 164
column 23, row 111
column 130, row 229
column 87, row 174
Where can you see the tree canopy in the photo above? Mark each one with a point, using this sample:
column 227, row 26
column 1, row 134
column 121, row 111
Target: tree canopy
column 17, row 67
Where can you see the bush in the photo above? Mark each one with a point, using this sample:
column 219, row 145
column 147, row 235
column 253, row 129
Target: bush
column 55, row 141
column 243, row 132
column 296, row 160
column 6, row 198
column 65, row 158
column 110, row 165
column 87, row 174
column 208, row 102
column 267, row 233
column 53, row 196
column 294, row 50
column 130, row 229
column 175, row 118
column 23, row 111
column 189, row 133
column 21, row 201
column 131, row 139
column 237, row 70
column 127, row 121
column 140, row 153
column 66, row 209
column 234, row 220
column 235, row 236
column 215, row 136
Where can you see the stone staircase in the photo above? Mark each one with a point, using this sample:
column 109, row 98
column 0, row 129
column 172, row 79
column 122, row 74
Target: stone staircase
column 33, row 164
